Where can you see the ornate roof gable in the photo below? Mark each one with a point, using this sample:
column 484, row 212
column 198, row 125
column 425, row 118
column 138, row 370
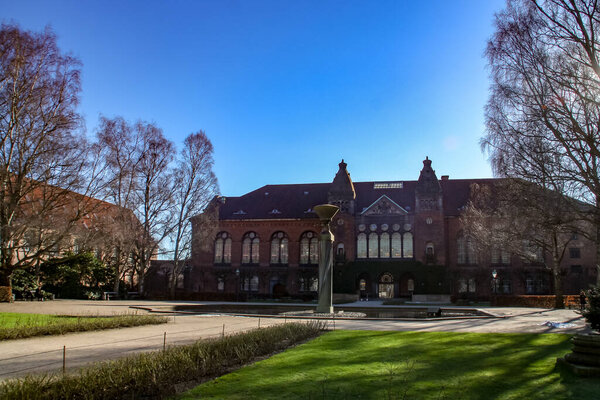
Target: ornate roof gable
column 384, row 206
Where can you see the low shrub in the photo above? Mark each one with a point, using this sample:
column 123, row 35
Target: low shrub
column 156, row 375
column 592, row 312
column 532, row 301
column 57, row 326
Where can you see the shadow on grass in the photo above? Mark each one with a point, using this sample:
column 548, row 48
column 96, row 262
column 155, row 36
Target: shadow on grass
column 415, row 365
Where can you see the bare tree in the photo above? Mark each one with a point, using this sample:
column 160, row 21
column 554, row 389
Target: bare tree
column 139, row 160
column 523, row 219
column 120, row 148
column 545, row 99
column 45, row 165
column 194, row 186
column 153, row 195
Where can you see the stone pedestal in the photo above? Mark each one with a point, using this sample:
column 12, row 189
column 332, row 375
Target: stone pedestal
column 584, row 360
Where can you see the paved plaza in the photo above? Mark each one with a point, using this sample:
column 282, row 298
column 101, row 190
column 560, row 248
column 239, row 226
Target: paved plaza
column 45, row 354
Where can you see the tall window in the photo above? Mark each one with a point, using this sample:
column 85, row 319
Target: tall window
column 407, row 244
column 309, row 248
column 223, row 248
column 373, row 245
column 361, row 246
column 466, row 250
column 250, row 246
column 396, row 245
column 384, row 245
column 279, row 248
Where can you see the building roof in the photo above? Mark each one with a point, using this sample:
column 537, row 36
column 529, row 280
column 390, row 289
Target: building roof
column 295, row 201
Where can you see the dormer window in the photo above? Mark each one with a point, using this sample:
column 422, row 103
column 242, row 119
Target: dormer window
column 239, row 212
column 274, row 211
column 387, row 185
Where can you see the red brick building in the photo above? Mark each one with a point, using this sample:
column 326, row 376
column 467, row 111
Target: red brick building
column 392, row 239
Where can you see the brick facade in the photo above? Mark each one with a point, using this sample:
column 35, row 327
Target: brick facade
column 392, row 239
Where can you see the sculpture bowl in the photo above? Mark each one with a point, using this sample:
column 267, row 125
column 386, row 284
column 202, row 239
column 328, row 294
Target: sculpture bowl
column 326, row 212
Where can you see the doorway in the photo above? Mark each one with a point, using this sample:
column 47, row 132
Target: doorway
column 386, row 286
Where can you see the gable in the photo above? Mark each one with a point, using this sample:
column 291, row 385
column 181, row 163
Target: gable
column 384, row 206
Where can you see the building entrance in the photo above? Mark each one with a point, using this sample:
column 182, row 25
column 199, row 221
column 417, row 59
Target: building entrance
column 386, row 286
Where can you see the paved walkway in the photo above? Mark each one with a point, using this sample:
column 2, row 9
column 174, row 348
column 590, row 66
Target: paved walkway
column 45, row 354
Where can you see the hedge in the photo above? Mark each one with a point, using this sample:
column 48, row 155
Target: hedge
column 158, row 375
column 547, row 301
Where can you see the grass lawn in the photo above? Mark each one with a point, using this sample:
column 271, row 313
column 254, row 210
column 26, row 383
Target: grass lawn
column 17, row 325
column 409, row 365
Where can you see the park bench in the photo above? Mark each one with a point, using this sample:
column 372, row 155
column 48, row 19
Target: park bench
column 108, row 295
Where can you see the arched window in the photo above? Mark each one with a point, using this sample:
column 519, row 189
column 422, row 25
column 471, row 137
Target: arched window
column 309, row 248
column 250, row 246
column 373, row 245
column 223, row 248
column 361, row 246
column 384, row 245
column 340, row 250
column 429, row 249
column 396, row 245
column 279, row 248
column 314, row 284
column 407, row 245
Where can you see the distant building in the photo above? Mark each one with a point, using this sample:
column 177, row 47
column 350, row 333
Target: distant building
column 392, row 239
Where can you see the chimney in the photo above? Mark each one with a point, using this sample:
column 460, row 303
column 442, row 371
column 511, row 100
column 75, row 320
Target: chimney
column 445, row 177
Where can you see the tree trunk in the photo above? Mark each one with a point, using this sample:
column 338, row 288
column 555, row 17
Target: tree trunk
column 558, row 291
column 5, row 286
column 597, row 247
column 172, row 284
column 117, row 282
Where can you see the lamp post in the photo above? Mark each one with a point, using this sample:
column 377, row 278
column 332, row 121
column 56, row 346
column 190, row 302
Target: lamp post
column 237, row 285
column 494, row 277
column 325, row 212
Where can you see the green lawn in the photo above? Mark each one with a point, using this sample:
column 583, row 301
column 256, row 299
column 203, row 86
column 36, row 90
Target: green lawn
column 11, row 320
column 409, row 365
column 18, row 326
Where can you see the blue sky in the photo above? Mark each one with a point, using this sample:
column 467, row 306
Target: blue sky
column 285, row 89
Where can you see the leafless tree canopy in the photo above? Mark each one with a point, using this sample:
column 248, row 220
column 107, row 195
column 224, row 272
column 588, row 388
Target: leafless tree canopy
column 543, row 114
column 194, row 186
column 43, row 156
